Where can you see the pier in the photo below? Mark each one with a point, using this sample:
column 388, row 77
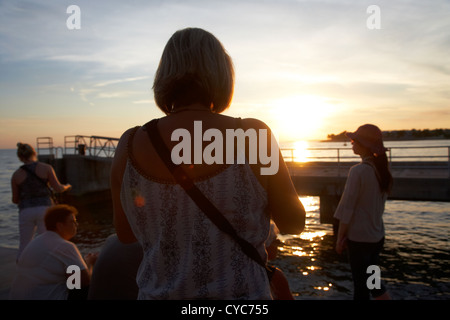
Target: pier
column 85, row 162
column 413, row 181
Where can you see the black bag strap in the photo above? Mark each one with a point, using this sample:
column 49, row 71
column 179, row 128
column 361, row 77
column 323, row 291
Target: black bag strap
column 24, row 167
column 196, row 195
column 52, row 194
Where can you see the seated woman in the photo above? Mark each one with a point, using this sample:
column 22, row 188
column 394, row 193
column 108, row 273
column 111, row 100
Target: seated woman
column 42, row 268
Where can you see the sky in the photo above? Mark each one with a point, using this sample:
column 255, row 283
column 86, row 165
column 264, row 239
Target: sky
column 306, row 68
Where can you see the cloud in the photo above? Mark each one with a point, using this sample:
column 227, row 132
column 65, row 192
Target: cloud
column 118, row 81
column 279, row 48
column 145, row 101
column 117, row 94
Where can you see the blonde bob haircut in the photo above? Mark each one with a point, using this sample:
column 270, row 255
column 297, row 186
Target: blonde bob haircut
column 194, row 68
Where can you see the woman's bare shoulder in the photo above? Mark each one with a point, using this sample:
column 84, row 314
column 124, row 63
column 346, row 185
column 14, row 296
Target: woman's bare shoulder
column 254, row 123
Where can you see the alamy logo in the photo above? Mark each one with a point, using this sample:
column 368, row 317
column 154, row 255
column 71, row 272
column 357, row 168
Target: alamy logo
column 73, row 22
column 213, row 152
column 74, row 280
column 374, row 20
column 374, row 280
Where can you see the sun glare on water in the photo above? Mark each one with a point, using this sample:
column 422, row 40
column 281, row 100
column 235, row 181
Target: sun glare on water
column 301, row 152
column 311, row 205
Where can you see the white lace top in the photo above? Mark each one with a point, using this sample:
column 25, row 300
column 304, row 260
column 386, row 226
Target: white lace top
column 185, row 255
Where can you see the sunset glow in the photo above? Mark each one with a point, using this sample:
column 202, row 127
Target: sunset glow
column 301, row 152
column 305, row 68
column 301, row 117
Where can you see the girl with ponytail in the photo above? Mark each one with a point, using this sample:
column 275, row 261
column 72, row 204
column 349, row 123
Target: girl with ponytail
column 361, row 208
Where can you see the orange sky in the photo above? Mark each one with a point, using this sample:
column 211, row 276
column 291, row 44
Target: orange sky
column 306, row 68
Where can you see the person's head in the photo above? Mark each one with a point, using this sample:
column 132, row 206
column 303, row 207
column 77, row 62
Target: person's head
column 367, row 140
column 25, row 152
column 194, row 69
column 61, row 219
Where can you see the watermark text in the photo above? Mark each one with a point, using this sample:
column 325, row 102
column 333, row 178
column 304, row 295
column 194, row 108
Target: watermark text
column 373, row 22
column 374, row 280
column 74, row 280
column 73, row 22
column 214, row 151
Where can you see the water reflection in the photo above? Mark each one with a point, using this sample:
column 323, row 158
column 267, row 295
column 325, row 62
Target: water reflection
column 301, row 152
column 306, row 259
column 414, row 260
column 95, row 224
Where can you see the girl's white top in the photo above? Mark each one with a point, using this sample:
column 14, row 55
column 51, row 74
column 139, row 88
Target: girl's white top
column 362, row 205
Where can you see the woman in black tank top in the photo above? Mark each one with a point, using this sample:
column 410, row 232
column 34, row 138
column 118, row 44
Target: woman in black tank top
column 31, row 192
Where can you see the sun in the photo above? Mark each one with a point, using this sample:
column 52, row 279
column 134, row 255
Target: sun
column 301, row 152
column 300, row 117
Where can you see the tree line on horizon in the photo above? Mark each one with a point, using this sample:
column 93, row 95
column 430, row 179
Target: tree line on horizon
column 412, row 134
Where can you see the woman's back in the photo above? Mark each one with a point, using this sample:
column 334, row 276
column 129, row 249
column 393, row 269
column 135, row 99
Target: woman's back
column 32, row 189
column 185, row 255
column 196, row 123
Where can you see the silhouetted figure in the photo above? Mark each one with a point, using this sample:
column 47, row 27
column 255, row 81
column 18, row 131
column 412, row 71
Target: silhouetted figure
column 42, row 268
column 30, row 191
column 185, row 255
column 361, row 208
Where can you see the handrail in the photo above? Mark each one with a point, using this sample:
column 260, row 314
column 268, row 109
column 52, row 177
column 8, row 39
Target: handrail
column 44, row 144
column 99, row 146
column 95, row 146
column 392, row 154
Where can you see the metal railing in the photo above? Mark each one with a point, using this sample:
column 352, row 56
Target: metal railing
column 44, row 145
column 95, row 146
column 98, row 146
column 45, row 148
column 420, row 156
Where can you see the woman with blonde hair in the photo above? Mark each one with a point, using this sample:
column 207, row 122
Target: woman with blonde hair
column 360, row 210
column 30, row 191
column 186, row 256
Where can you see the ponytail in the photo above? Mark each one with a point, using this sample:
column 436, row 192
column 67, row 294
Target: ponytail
column 25, row 151
column 382, row 166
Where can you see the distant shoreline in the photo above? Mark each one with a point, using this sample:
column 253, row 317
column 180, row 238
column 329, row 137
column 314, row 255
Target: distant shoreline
column 400, row 135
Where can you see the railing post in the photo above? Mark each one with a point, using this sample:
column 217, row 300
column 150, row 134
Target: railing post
column 56, row 152
column 448, row 161
column 339, row 162
column 92, row 146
